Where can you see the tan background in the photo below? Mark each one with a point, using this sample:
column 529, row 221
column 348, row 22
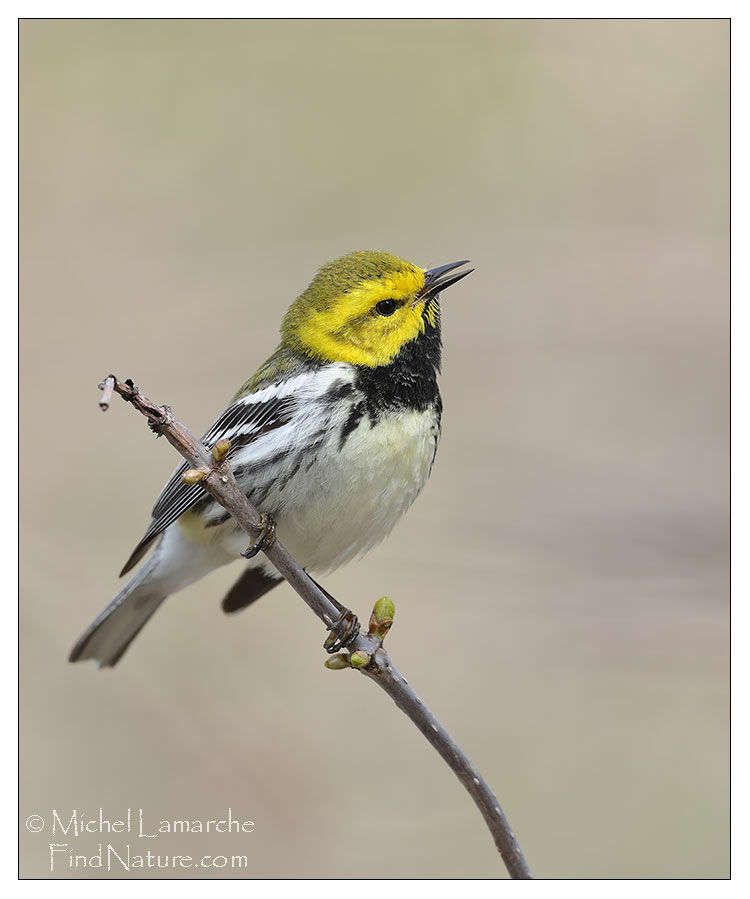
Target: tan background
column 561, row 587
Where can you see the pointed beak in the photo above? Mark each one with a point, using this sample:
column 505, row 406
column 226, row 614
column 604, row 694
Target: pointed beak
column 437, row 279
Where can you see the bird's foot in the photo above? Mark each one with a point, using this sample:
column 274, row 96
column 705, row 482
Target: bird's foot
column 343, row 630
column 265, row 539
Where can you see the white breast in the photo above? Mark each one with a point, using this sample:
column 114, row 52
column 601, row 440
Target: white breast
column 349, row 500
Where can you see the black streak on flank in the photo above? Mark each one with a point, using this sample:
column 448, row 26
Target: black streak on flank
column 339, row 390
column 293, row 472
column 355, row 416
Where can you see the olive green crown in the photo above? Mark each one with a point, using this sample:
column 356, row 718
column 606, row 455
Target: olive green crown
column 345, row 274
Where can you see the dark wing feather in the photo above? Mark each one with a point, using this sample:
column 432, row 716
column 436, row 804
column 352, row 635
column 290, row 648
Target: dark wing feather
column 242, row 422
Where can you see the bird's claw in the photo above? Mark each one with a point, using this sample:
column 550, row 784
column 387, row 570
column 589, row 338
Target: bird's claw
column 343, row 630
column 265, row 539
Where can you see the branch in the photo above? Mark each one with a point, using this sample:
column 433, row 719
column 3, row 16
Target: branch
column 366, row 651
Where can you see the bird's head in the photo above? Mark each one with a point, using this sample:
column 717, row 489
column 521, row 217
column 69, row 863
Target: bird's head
column 364, row 307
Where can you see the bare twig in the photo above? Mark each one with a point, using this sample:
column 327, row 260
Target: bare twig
column 106, row 387
column 366, row 650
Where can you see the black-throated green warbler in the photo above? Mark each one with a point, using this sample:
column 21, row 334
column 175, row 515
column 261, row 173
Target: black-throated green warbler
column 334, row 437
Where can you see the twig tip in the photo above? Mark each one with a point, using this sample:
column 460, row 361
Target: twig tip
column 107, row 386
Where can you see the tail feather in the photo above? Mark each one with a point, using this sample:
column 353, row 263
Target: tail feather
column 252, row 584
column 114, row 629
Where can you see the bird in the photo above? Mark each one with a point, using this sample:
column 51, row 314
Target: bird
column 332, row 438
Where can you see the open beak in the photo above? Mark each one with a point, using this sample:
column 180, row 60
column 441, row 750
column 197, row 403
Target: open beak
column 437, row 279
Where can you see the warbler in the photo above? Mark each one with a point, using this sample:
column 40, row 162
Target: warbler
column 333, row 438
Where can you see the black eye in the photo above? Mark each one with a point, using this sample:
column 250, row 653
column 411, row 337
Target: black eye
column 386, row 307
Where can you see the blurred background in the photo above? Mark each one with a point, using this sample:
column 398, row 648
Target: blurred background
column 561, row 587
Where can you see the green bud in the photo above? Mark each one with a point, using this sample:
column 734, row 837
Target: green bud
column 359, row 659
column 337, row 662
column 194, row 475
column 382, row 617
column 220, row 450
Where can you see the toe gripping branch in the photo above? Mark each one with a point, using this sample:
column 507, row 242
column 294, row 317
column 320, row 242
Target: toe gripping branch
column 265, row 539
column 346, row 627
column 343, row 630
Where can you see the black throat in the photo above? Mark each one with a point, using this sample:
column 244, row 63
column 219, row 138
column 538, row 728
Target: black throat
column 409, row 381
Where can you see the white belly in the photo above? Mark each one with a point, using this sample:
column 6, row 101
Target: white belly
column 349, row 501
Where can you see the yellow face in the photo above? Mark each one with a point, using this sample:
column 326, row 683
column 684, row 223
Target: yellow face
column 365, row 320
